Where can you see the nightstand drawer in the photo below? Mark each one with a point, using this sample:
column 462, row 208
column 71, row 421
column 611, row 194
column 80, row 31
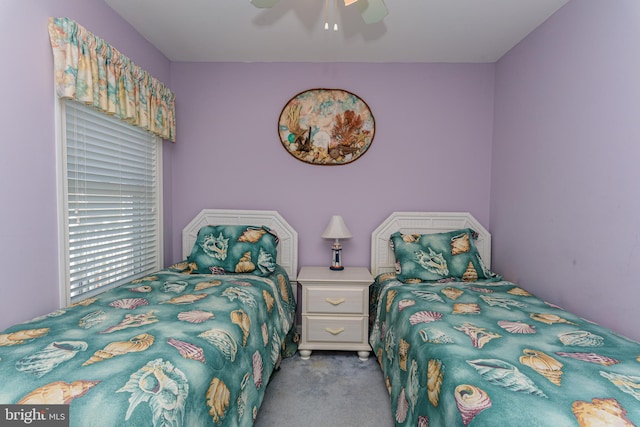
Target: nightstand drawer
column 332, row 329
column 334, row 300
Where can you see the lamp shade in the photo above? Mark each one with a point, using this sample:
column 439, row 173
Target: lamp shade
column 336, row 229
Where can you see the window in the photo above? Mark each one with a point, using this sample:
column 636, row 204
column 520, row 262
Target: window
column 111, row 201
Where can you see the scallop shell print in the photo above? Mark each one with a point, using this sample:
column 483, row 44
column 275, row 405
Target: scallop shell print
column 424, row 317
column 517, row 327
column 543, row 364
column 57, row 393
column 590, row 357
column 504, row 374
column 600, row 412
column 581, row 338
column 129, row 303
column 195, row 316
column 223, row 341
column 402, row 408
column 257, row 369
column 45, row 360
column 218, row 399
column 187, row 350
column 470, row 400
column 404, row 303
column 435, row 375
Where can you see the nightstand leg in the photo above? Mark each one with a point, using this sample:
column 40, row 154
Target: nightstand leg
column 363, row 355
column 305, row 354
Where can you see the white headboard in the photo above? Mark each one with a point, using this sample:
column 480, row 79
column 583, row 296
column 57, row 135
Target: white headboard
column 382, row 257
column 287, row 246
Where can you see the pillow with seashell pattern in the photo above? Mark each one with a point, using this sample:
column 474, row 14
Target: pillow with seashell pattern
column 439, row 257
column 224, row 249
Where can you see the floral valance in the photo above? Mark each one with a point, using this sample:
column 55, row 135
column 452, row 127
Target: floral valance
column 89, row 70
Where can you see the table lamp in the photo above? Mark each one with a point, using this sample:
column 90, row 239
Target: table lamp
column 337, row 230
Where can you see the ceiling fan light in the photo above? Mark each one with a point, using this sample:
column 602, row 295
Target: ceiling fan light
column 349, row 2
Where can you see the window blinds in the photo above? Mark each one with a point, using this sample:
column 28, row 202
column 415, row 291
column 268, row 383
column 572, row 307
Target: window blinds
column 112, row 201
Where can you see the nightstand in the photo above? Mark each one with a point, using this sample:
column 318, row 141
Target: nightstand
column 335, row 310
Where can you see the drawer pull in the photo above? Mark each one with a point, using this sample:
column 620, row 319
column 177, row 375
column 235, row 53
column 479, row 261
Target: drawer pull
column 334, row 331
column 335, row 301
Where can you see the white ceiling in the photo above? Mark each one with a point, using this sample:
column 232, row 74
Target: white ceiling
column 293, row 30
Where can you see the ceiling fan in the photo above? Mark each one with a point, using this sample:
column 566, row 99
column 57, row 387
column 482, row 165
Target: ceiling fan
column 372, row 10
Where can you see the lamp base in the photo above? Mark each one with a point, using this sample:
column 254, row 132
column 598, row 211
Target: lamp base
column 336, row 268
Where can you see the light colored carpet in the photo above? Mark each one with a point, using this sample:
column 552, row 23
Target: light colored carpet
column 332, row 388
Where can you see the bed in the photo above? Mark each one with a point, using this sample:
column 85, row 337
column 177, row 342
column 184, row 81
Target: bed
column 472, row 349
column 178, row 347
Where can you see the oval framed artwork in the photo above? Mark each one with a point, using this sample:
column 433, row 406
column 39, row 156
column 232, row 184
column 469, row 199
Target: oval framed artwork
column 326, row 127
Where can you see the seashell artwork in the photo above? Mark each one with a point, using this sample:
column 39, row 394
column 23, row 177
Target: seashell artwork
column 86, row 302
column 433, row 262
column 240, row 318
column 205, row 285
column 410, row 238
column 223, row 341
column 45, row 360
column 452, row 293
column 435, row 375
column 460, row 244
column 413, row 388
column 257, row 369
column 265, row 334
column 517, row 327
column 466, row 308
column 268, row 300
column 136, row 344
column 403, row 350
column 132, row 321
column 187, row 350
column 185, row 299
column 141, row 289
column 470, row 400
column 215, row 247
column 129, row 303
column 481, row 290
column 479, row 336
column 549, row 318
column 423, row 421
column 402, row 408
column 504, row 374
column 424, row 317
column 92, row 319
column 21, row 337
column 435, row 336
column 266, row 263
column 519, row 292
column 470, row 274
column 543, row 364
column 195, row 316
column 413, row 281
column 600, row 412
column 284, row 288
column 404, row 303
column 163, row 387
column 57, row 393
column 145, row 279
column 391, row 295
column 244, row 296
column 245, row 265
column 428, row 296
column 176, row 287
column 581, row 338
column 276, row 343
column 386, row 276
column 252, row 234
column 626, row 383
column 501, row 302
column 590, row 357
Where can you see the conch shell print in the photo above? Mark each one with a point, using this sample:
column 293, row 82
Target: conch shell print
column 185, row 299
column 284, row 288
column 600, row 412
column 245, row 265
column 470, row 401
column 470, row 274
column 20, row 337
column 136, row 344
column 161, row 386
column 45, row 360
column 435, row 375
column 240, row 318
column 627, row 383
column 223, row 341
column 57, row 393
column 433, row 262
column 268, row 300
column 215, row 247
column 479, row 336
column 266, row 263
column 543, row 364
column 218, row 397
column 403, row 350
column 252, row 234
column 132, row 321
column 244, row 296
column 581, row 338
column 504, row 374
column 460, row 244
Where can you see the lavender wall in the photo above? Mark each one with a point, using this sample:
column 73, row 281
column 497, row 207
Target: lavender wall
column 432, row 147
column 28, row 216
column 564, row 192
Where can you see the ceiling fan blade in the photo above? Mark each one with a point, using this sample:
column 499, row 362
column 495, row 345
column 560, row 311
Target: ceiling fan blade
column 264, row 4
column 372, row 10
